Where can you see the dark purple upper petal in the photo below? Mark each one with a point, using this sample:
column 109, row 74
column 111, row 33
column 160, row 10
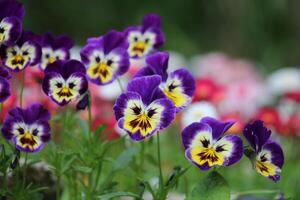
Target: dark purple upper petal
column 145, row 86
column 218, row 127
column 256, row 134
column 57, row 42
column 112, row 40
column 65, row 68
column 151, row 21
column 4, row 73
column 11, row 8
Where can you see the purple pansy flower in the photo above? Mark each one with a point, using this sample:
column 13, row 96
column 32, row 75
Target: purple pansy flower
column 65, row 81
column 11, row 15
column 269, row 156
column 105, row 57
column 146, row 38
column 24, row 53
column 5, row 89
column 54, row 48
column 206, row 146
column 143, row 110
column 28, row 128
column 178, row 86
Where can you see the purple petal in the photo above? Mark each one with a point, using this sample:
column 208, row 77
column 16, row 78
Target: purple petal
column 218, row 127
column 145, row 86
column 9, row 8
column 112, row 40
column 5, row 89
column 256, row 134
column 14, row 32
column 151, row 20
column 231, row 147
column 277, row 156
column 190, row 132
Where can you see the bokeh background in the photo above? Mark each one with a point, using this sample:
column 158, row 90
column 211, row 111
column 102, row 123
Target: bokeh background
column 264, row 31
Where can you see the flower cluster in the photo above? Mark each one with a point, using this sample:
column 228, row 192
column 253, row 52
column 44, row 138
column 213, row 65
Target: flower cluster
column 153, row 97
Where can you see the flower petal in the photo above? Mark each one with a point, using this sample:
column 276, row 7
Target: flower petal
column 218, row 127
column 256, row 134
column 231, row 148
column 197, row 134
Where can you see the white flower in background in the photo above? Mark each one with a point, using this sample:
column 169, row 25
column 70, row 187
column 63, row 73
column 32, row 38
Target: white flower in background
column 196, row 111
column 176, row 61
column 284, row 80
column 111, row 91
column 75, row 53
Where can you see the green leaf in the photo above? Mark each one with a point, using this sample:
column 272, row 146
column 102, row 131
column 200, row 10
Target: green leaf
column 124, row 159
column 117, row 194
column 212, row 187
column 99, row 131
column 83, row 169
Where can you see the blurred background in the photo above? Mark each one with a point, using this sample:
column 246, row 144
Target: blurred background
column 264, row 31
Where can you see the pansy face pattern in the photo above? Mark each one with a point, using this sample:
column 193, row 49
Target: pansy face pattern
column 49, row 56
column 269, row 156
column 145, row 38
column 11, row 14
column 106, row 58
column 19, row 57
column 143, row 110
column 206, row 147
column 28, row 129
column 178, row 86
column 140, row 44
column 54, row 48
column 65, row 81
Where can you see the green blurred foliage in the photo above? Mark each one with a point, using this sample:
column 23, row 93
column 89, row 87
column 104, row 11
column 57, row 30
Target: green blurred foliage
column 265, row 31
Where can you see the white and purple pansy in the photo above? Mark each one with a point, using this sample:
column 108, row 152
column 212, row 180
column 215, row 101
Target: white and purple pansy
column 178, row 86
column 143, row 110
column 11, row 15
column 105, row 57
column 146, row 38
column 5, row 89
column 65, row 81
column 25, row 52
column 54, row 48
column 269, row 158
column 206, row 145
column 28, row 128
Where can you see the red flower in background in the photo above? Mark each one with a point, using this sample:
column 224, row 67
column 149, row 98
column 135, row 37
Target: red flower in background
column 294, row 96
column 208, row 90
column 271, row 117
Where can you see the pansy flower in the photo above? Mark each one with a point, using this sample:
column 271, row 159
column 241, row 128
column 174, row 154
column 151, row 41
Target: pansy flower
column 28, row 128
column 178, row 86
column 105, row 57
column 146, row 38
column 65, row 81
column 268, row 155
column 54, row 48
column 143, row 110
column 5, row 89
column 11, row 14
column 26, row 52
column 206, row 146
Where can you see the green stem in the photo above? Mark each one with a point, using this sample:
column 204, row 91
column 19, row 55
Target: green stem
column 58, row 187
column 120, row 85
column 256, row 192
column 22, row 88
column 159, row 164
column 25, row 169
column 90, row 113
